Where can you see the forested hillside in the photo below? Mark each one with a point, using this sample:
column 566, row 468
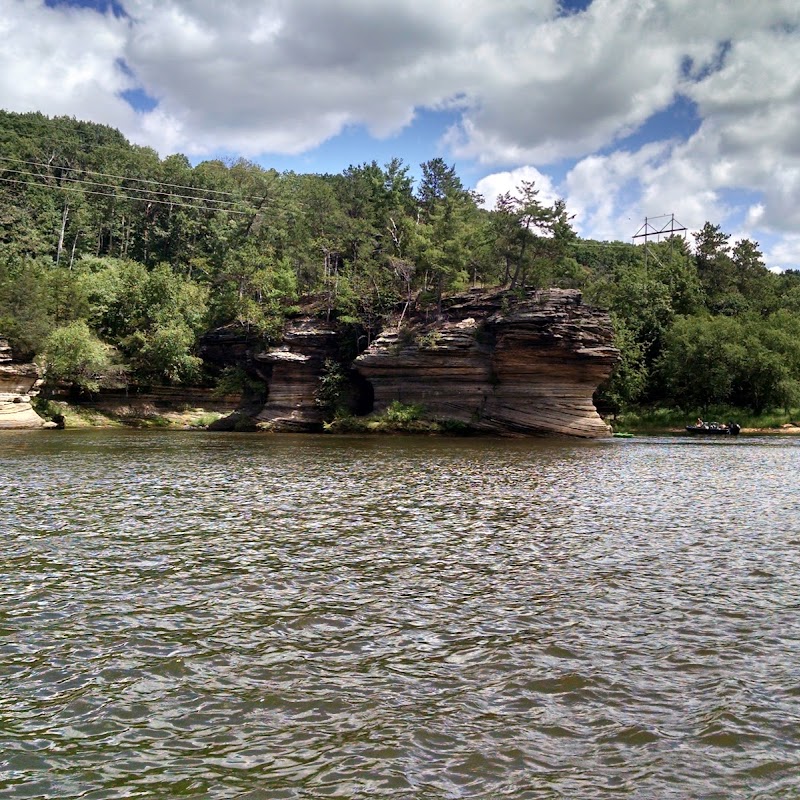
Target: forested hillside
column 113, row 262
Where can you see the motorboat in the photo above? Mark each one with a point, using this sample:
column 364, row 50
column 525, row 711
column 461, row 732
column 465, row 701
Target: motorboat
column 714, row 428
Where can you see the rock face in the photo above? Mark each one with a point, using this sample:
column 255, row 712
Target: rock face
column 139, row 402
column 494, row 360
column 294, row 371
column 499, row 363
column 17, row 380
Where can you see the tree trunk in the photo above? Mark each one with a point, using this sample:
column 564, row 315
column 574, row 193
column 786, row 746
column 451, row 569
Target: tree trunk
column 61, row 233
column 72, row 254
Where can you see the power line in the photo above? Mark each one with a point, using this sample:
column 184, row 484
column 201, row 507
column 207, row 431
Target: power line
column 123, row 196
column 83, row 182
column 590, row 243
column 181, row 186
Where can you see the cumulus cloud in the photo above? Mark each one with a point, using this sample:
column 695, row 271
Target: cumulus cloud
column 784, row 254
column 741, row 167
column 285, row 76
column 492, row 186
column 532, row 84
column 46, row 65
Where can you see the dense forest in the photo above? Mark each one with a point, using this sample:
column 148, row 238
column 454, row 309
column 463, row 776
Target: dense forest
column 113, row 262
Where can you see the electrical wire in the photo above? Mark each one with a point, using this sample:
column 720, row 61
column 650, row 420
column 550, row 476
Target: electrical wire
column 124, row 196
column 120, row 177
column 83, row 182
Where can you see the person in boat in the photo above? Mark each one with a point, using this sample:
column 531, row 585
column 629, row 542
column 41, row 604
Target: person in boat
column 699, row 423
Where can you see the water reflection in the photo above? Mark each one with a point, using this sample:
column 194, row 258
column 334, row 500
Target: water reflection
column 239, row 616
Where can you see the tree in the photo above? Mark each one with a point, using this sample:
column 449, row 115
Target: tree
column 752, row 362
column 701, row 357
column 753, row 280
column 715, row 268
column 72, row 353
column 444, row 226
column 253, row 288
column 628, row 381
column 26, row 307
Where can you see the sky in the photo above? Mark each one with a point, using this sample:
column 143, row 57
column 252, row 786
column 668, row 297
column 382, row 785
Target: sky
column 626, row 109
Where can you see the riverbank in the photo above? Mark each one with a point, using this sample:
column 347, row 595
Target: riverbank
column 665, row 421
column 399, row 418
column 71, row 415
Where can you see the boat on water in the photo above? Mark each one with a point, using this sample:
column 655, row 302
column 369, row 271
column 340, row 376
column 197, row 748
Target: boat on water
column 701, row 428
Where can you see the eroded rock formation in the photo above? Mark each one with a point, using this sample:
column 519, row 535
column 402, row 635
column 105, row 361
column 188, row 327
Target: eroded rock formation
column 295, row 369
column 17, row 381
column 493, row 360
column 499, row 363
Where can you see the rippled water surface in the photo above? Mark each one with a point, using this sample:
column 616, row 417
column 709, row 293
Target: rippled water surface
column 225, row 616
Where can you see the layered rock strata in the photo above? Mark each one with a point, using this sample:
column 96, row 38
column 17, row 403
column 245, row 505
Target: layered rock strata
column 143, row 402
column 493, row 360
column 499, row 363
column 17, row 381
column 294, row 371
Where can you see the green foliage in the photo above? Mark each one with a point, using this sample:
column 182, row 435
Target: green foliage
column 429, row 340
column 252, row 288
column 455, row 427
column 332, row 391
column 402, row 414
column 628, row 381
column 162, row 353
column 236, row 380
column 751, row 362
column 699, row 360
column 73, row 354
column 26, row 316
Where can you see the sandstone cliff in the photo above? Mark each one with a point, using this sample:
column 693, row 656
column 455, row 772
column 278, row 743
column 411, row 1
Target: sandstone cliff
column 499, row 363
column 295, row 369
column 493, row 360
column 17, row 380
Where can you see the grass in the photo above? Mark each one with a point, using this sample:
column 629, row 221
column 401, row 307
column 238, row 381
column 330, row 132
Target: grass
column 73, row 416
column 399, row 418
column 80, row 416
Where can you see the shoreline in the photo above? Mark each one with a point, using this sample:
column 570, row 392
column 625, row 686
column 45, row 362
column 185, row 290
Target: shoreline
column 784, row 430
column 63, row 414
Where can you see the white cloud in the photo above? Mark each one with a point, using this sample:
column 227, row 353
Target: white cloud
column 46, row 64
column 492, row 186
column 784, row 254
column 741, row 168
column 285, row 76
column 280, row 76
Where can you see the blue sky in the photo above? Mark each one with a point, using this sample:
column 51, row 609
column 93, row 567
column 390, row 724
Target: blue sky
column 624, row 108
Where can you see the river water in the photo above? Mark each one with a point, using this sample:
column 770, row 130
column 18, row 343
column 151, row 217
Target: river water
column 245, row 616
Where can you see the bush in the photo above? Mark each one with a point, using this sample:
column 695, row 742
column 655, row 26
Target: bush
column 332, row 391
column 402, row 414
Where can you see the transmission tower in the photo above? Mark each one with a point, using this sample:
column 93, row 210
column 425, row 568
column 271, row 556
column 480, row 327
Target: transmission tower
column 650, row 231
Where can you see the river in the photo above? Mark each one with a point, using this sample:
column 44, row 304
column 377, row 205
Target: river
column 248, row 616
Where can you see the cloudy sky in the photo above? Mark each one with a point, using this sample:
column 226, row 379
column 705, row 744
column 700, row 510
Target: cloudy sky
column 625, row 108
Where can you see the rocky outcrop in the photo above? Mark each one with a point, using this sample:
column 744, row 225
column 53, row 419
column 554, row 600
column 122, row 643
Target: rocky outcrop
column 294, row 371
column 499, row 363
column 17, row 381
column 494, row 361
column 149, row 401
